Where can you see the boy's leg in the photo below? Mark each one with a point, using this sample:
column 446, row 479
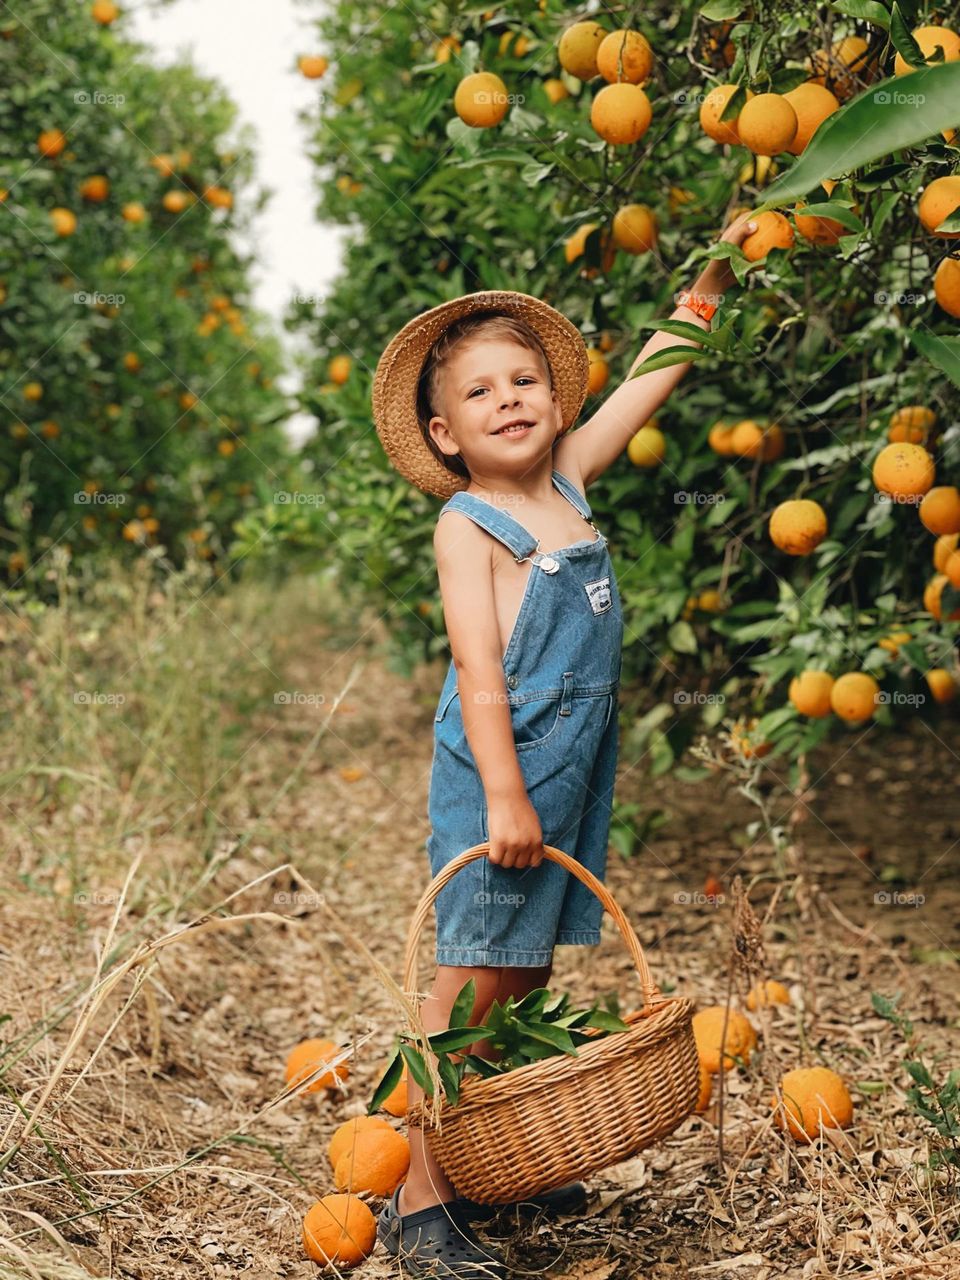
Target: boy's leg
column 426, row 1183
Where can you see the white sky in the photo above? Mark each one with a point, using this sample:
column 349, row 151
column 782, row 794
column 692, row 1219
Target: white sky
column 251, row 48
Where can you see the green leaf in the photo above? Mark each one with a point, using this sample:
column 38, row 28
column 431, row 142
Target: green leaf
column 417, row 1068
column 722, row 10
column 719, row 340
column 450, row 1079
column 919, row 1072
column 949, row 224
column 607, row 1021
column 670, row 356
column 550, row 1034
column 901, row 112
column 388, row 1082
column 915, row 655
column 482, row 1066
column 839, row 212
column 534, row 1001
column 463, row 1005
column 682, row 638
column 903, row 40
column 452, row 1040
column 940, row 351
column 867, row 10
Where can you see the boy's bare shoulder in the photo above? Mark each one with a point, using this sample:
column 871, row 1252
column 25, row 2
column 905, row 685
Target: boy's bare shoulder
column 459, row 540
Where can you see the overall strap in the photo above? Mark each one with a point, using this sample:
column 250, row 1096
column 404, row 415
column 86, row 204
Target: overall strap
column 572, row 494
column 497, row 523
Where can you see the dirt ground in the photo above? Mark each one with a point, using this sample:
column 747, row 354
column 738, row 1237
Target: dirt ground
column 165, row 1153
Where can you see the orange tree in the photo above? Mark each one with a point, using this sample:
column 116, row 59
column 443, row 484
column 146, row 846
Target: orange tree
column 603, row 196
column 136, row 385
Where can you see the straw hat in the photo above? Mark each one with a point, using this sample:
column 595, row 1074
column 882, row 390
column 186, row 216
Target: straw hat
column 398, row 372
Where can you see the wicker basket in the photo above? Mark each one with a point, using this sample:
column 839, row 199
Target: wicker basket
column 564, row 1118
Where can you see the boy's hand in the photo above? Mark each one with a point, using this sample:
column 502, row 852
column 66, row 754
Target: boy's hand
column 717, row 276
column 516, row 838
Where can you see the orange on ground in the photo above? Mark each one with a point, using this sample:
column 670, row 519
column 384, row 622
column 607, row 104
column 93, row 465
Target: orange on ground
column 739, row 1042
column 577, row 50
column 711, row 110
column 928, row 38
column 340, row 1230
column 766, row 993
column 555, row 90
column 621, row 113
column 599, row 371
column 767, row 124
column 943, row 548
column 706, row 1090
column 312, row 65
column 812, row 103
column 903, row 470
column 940, row 510
column 854, row 696
column 626, row 49
column 939, row 200
column 942, row 684
column 345, row 1135
column 893, row 641
column 307, row 1057
column 481, row 100
column 798, row 526
column 95, row 189
column 946, row 286
column 810, row 693
column 720, row 439
column 51, row 142
column 635, row 228
column 773, row 232
column 395, row 1103
column 377, row 1162
column 647, row 448
column 338, row 370
column 811, row 1096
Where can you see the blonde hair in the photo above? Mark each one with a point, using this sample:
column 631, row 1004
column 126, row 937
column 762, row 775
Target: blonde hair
column 481, row 324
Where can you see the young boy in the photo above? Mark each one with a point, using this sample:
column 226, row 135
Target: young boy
column 473, row 401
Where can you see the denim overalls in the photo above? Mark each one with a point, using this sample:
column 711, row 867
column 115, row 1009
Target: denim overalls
column 562, row 669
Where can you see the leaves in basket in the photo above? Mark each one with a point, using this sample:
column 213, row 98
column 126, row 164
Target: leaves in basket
column 388, row 1082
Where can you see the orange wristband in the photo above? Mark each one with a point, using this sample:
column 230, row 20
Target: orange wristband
column 700, row 305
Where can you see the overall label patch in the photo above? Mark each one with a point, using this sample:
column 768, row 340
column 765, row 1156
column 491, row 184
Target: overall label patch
column 598, row 593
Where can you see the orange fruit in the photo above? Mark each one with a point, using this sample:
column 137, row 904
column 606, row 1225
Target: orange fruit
column 810, row 694
column 344, row 1135
column 893, row 641
column 943, row 548
column 481, row 100
column 767, row 124
column 312, row 65
column 445, row 48
column 226, row 448
column 520, row 45
column 940, row 198
column 339, row 1230
column 773, row 232
column 555, row 90
column 104, row 12
column 712, row 108
column 911, row 424
column 578, row 47
column 64, row 221
column 812, row 1096
column 706, row 1090
column 769, row 992
column 32, row 390
column 744, row 738
column 50, row 430
column 307, row 1056
column 854, row 696
column 798, row 526
column 749, row 440
column 51, row 142
column 812, row 103
column 376, row 1162
column 816, row 229
column 635, row 228
column 95, row 189
column 710, row 601
column 175, row 201
column 218, row 197
column 164, row 164
column 903, row 470
column 338, row 370
column 932, row 596
column 952, row 568
column 621, row 113
column 577, row 243
column 647, row 448
column 940, row 510
column 395, row 1103
column 843, row 66
column 739, row 1042
column 942, row 684
column 599, row 371
column 720, row 439
column 929, row 38
column 624, row 55
column 133, row 211
column 131, row 361
column 946, row 286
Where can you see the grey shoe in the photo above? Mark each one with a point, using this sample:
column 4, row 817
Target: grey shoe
column 570, row 1198
column 437, row 1242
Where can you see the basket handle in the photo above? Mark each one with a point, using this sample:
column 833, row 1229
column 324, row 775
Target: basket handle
column 651, row 992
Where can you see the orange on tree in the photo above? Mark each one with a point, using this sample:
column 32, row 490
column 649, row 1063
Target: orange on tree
column 578, row 48
column 445, row 48
column 903, row 470
column 812, row 103
column 710, row 601
column 520, row 45
column 767, row 124
column 810, row 693
column 104, row 12
column 218, row 197
column 843, row 65
column 946, row 286
column 798, row 526
column 893, row 641
column 599, row 371
column 344, row 1135
column 932, row 594
column 95, row 188
column 32, row 390
column 812, row 1096
column 481, row 100
column 51, row 142
column 647, row 448
column 133, row 211
column 555, row 90
column 854, row 696
column 773, row 232
column 814, row 228
column 952, row 568
column 940, row 510
column 720, row 439
column 940, row 199
column 941, row 683
column 577, row 244
column 339, row 1230
column 767, row 993
column 750, row 440
column 164, row 164
column 338, row 370
column 911, row 424
column 226, row 448
column 376, row 1161
column 313, row 65
column 711, row 110
column 739, row 1042
column 175, row 201
column 621, row 114
column 759, row 171
column 307, row 1056
column 625, row 55
column 131, row 361
column 929, row 39
column 635, row 228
